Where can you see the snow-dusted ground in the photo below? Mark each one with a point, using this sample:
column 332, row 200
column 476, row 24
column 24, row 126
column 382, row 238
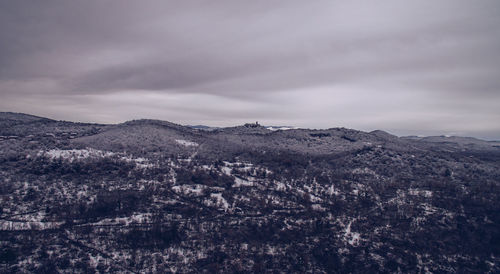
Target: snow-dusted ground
column 195, row 189
column 137, row 218
column 352, row 238
column 220, row 201
column 423, row 193
column 241, row 182
column 75, row 154
column 72, row 155
column 186, row 143
column 274, row 128
column 22, row 225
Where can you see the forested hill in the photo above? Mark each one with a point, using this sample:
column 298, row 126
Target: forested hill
column 154, row 196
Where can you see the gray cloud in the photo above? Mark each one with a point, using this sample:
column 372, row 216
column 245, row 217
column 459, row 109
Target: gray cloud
column 412, row 66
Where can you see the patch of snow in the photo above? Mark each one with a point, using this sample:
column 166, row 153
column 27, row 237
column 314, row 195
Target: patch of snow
column 143, row 163
column 423, row 193
column 226, row 170
column 280, row 128
column 333, row 191
column 137, row 218
column 271, row 250
column 186, row 143
column 20, row 225
column 140, row 163
column 355, row 236
column 80, row 154
column 314, row 198
column 429, row 209
column 364, row 171
column 220, row 200
column 75, row 154
column 195, row 189
column 280, row 186
column 318, row 207
column 352, row 238
column 240, row 182
column 94, row 261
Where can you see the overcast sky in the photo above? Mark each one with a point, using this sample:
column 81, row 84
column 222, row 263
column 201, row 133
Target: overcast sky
column 408, row 67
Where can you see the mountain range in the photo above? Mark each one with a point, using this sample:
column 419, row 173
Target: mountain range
column 155, row 196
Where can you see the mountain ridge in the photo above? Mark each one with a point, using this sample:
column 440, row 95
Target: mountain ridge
column 431, row 138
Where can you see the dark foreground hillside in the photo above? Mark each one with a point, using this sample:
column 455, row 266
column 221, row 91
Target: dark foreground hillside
column 152, row 196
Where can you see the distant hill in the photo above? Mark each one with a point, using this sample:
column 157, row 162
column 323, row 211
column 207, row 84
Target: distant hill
column 202, row 127
column 21, row 117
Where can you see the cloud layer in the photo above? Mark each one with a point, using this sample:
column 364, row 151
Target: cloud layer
column 409, row 67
